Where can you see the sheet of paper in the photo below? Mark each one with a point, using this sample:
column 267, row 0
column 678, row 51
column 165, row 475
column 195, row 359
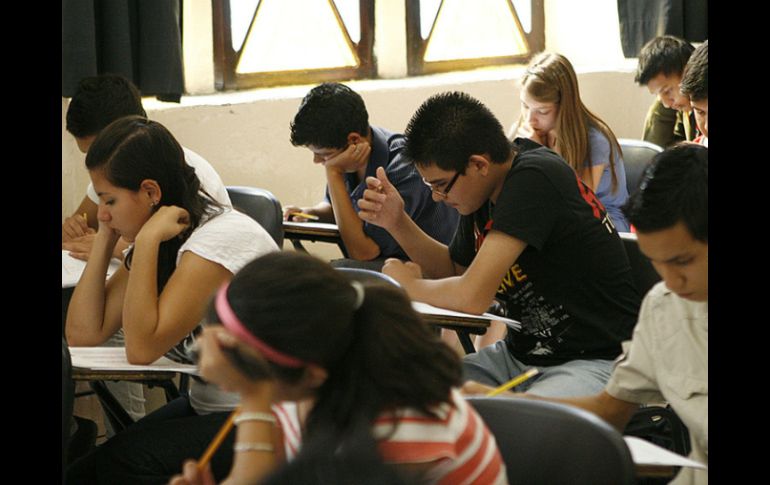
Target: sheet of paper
column 72, row 268
column 315, row 225
column 432, row 310
column 114, row 358
column 646, row 453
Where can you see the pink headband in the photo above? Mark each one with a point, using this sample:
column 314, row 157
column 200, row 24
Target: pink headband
column 232, row 323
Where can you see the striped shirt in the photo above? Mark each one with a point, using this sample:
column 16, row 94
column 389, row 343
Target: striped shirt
column 457, row 442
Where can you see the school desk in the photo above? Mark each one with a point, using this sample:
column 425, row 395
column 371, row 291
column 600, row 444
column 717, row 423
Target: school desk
column 297, row 232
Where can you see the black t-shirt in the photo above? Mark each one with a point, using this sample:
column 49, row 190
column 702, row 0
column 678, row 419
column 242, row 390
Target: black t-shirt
column 571, row 288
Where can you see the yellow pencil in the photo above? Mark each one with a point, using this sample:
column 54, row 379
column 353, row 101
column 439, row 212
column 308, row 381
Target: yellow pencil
column 85, row 217
column 513, row 382
column 217, row 441
column 306, row 216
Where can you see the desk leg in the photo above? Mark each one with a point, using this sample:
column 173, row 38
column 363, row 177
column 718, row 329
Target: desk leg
column 115, row 413
column 298, row 245
column 465, row 340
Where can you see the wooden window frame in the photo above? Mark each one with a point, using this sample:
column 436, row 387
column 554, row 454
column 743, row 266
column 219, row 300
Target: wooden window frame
column 226, row 59
column 416, row 45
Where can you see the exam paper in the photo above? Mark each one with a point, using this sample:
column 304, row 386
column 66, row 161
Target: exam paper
column 427, row 309
column 645, row 453
column 114, row 359
column 72, row 268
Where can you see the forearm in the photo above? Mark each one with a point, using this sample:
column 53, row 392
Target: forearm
column 140, row 307
column 85, row 325
column 351, row 227
column 324, row 212
column 453, row 293
column 251, row 466
column 432, row 256
column 615, row 411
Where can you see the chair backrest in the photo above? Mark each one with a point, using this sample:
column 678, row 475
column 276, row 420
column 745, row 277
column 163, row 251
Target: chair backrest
column 361, row 274
column 67, row 399
column 546, row 442
column 637, row 154
column 644, row 273
column 262, row 206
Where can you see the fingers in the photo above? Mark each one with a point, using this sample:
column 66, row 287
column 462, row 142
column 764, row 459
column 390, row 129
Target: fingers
column 74, row 227
column 383, row 178
column 288, row 211
column 79, row 255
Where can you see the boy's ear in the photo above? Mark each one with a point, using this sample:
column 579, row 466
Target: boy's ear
column 354, row 138
column 480, row 162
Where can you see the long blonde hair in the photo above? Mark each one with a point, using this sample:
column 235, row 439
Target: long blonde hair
column 550, row 78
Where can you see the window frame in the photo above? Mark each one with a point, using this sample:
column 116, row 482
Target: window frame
column 226, row 58
column 416, row 45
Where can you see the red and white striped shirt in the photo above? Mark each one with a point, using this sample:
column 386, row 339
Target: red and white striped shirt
column 457, row 443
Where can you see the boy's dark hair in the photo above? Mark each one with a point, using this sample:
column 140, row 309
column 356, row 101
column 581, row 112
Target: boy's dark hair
column 695, row 80
column 379, row 356
column 100, row 100
column 665, row 55
column 450, row 127
column 327, row 114
column 674, row 188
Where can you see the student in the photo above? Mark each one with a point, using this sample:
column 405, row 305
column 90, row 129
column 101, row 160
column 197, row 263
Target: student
column 183, row 246
column 332, row 122
column 661, row 62
column 695, row 85
column 667, row 360
column 553, row 115
column 360, row 362
column 531, row 234
column 97, row 102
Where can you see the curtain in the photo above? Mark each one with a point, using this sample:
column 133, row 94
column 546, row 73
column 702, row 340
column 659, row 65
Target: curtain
column 642, row 20
column 139, row 39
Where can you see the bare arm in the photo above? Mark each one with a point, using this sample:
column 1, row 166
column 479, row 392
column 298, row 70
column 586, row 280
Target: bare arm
column 383, row 205
column 94, row 312
column 474, row 290
column 351, row 227
column 322, row 209
column 615, row 411
column 593, row 175
column 153, row 324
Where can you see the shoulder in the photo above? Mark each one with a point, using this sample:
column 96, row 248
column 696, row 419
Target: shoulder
column 193, row 159
column 229, row 234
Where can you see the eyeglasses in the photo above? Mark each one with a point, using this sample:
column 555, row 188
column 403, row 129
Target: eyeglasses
column 442, row 193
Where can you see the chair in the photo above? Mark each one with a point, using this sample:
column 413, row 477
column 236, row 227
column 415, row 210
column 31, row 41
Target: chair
column 546, row 442
column 262, row 206
column 644, row 273
column 637, row 154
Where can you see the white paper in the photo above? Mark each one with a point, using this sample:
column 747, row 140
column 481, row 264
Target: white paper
column 645, row 453
column 72, row 269
column 114, row 359
column 325, row 226
column 427, row 309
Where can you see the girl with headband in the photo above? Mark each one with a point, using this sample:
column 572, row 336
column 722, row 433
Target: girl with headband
column 319, row 358
column 553, row 115
column 183, row 246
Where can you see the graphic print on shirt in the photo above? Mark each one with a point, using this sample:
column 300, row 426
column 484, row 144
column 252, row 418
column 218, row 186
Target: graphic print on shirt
column 596, row 206
column 517, row 296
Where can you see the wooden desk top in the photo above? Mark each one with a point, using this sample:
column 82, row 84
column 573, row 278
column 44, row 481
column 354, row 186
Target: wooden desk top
column 311, row 231
column 81, row 374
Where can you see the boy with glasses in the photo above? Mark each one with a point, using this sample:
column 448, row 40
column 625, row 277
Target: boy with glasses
column 531, row 235
column 332, row 122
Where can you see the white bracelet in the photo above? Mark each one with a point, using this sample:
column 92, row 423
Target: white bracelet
column 257, row 416
column 253, row 447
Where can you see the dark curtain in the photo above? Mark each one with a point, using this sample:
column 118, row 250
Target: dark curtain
column 642, row 20
column 139, row 39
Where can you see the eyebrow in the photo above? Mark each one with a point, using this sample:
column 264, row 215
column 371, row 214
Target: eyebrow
column 438, row 181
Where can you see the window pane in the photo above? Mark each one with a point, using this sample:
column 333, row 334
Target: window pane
column 524, row 11
column 351, row 17
column 485, row 28
column 295, row 35
column 241, row 13
column 428, row 11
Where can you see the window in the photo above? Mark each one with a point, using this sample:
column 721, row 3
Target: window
column 444, row 35
column 270, row 42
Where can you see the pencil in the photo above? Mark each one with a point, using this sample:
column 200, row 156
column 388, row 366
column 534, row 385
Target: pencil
column 85, row 217
column 513, row 382
column 217, row 441
column 306, row 216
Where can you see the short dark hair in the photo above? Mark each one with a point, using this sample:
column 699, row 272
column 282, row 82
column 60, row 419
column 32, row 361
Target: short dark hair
column 327, row 114
column 674, row 188
column 450, row 127
column 695, row 79
column 665, row 55
column 100, row 100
